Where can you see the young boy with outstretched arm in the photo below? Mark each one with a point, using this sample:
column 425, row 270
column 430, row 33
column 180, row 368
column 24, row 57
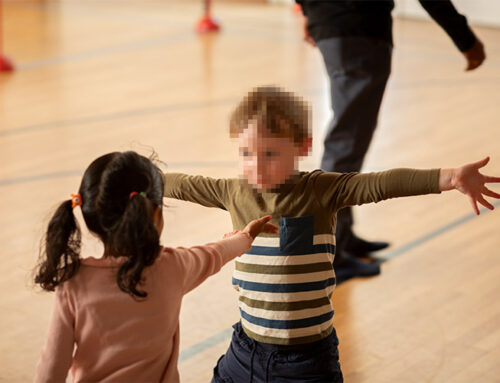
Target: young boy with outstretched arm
column 285, row 281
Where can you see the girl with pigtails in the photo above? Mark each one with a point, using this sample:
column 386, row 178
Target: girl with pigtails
column 117, row 317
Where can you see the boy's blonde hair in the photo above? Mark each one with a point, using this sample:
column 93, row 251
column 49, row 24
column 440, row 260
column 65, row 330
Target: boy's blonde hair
column 280, row 112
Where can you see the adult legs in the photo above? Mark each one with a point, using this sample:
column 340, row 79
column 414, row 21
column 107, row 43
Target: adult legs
column 358, row 69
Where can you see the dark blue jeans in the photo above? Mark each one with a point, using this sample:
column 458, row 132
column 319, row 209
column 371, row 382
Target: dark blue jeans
column 247, row 360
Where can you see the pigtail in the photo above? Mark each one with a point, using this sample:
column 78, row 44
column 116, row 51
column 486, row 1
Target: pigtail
column 136, row 237
column 60, row 249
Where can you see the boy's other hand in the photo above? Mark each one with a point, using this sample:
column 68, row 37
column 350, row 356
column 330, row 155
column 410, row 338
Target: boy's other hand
column 261, row 225
column 475, row 55
column 468, row 180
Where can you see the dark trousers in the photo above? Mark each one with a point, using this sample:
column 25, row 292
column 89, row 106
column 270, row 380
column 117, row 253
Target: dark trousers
column 247, row 360
column 358, row 68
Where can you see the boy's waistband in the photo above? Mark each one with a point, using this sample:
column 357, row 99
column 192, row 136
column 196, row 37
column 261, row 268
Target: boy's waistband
column 269, row 347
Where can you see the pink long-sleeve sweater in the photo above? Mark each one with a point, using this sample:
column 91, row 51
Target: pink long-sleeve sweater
column 118, row 338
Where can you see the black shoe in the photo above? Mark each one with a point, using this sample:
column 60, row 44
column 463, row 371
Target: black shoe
column 359, row 247
column 349, row 267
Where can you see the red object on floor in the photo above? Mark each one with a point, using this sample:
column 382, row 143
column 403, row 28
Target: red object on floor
column 297, row 8
column 5, row 64
column 207, row 24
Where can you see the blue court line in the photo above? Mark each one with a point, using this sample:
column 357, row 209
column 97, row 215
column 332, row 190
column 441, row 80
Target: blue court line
column 436, row 233
column 224, row 335
column 199, row 347
column 106, row 51
column 118, row 115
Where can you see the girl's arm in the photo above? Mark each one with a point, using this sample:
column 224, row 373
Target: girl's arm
column 200, row 262
column 57, row 354
column 468, row 180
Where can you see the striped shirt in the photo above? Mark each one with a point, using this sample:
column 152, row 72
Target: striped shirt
column 285, row 282
column 285, row 298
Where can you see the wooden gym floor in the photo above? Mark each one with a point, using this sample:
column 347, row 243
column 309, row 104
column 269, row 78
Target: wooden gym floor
column 99, row 76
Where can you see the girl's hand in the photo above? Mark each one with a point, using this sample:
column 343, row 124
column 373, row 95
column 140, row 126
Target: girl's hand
column 261, row 225
column 468, row 180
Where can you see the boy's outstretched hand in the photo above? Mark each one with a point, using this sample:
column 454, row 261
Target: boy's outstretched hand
column 471, row 182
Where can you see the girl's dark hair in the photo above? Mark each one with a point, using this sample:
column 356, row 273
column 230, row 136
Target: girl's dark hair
column 124, row 224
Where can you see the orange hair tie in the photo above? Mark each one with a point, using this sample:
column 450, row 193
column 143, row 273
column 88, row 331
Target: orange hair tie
column 76, row 200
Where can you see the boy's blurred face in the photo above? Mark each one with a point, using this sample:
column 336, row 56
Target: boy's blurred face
column 267, row 161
